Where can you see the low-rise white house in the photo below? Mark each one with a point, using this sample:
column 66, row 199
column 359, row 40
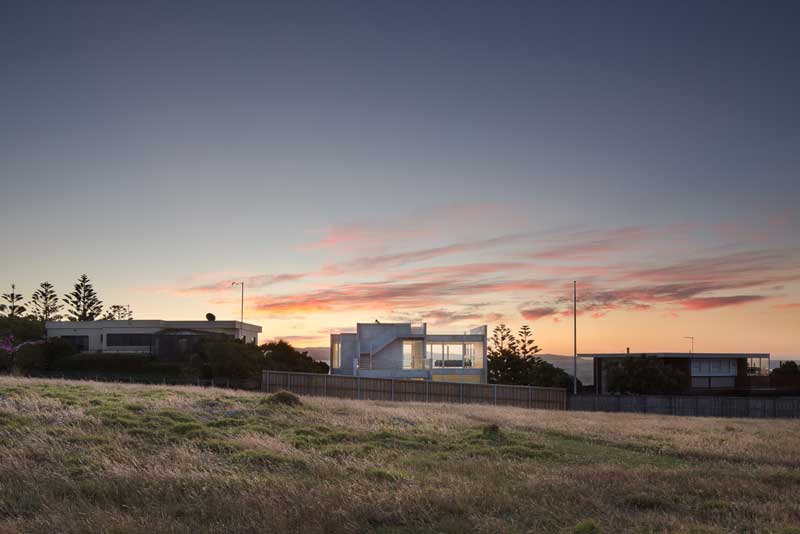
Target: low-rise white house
column 147, row 336
column 408, row 351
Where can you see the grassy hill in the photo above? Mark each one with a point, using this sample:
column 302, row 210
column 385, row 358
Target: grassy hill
column 85, row 457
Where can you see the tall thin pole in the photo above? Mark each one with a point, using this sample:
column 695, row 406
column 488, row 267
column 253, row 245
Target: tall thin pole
column 575, row 337
column 241, row 316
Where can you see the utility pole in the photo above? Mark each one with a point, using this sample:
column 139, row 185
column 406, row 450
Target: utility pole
column 575, row 337
column 241, row 317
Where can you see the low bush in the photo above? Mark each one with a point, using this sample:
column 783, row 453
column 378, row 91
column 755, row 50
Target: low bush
column 32, row 358
column 287, row 398
column 139, row 364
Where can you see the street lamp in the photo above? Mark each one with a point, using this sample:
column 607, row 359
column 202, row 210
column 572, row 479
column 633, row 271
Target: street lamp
column 242, row 312
column 692, row 338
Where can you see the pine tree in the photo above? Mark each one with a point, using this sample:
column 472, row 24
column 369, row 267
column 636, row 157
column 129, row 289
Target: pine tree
column 44, row 303
column 527, row 346
column 503, row 339
column 14, row 308
column 117, row 312
column 83, row 303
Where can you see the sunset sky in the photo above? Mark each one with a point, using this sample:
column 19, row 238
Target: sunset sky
column 456, row 163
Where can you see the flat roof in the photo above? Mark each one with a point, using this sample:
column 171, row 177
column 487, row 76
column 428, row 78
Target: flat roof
column 708, row 355
column 151, row 323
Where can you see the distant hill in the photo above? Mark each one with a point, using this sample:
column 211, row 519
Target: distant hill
column 585, row 373
column 585, row 366
column 319, row 354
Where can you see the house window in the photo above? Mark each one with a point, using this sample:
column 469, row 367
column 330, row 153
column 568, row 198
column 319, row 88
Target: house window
column 336, row 351
column 473, row 354
column 453, row 355
column 412, row 354
column 436, row 354
column 129, row 340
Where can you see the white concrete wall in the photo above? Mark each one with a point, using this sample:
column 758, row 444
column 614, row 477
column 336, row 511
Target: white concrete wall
column 97, row 331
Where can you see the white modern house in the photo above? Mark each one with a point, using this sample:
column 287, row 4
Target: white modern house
column 168, row 338
column 408, row 351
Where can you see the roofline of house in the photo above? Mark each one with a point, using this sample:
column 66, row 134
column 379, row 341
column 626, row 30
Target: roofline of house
column 690, row 355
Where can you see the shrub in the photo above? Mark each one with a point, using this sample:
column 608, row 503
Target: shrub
column 230, row 359
column 645, row 376
column 22, row 328
column 32, row 358
column 281, row 356
column 286, row 398
column 141, row 364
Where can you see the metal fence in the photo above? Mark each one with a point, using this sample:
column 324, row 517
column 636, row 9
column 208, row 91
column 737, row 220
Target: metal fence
column 229, row 383
column 355, row 387
column 704, row 406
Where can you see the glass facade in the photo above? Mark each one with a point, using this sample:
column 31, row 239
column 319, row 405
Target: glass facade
column 412, row 354
column 336, row 351
column 456, row 355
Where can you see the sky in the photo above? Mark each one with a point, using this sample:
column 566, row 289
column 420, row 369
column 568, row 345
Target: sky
column 457, row 163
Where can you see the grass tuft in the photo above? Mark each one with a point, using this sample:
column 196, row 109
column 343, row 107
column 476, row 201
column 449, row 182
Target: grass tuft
column 284, row 398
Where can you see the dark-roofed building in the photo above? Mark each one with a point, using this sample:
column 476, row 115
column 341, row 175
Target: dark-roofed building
column 707, row 372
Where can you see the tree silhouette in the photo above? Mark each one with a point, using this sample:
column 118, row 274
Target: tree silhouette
column 83, row 303
column 527, row 347
column 503, row 338
column 117, row 312
column 44, row 303
column 14, row 308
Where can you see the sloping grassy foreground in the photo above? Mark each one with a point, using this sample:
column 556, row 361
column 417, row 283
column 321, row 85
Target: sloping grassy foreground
column 85, row 457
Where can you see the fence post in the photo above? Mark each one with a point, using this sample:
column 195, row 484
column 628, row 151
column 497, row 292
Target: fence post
column 358, row 388
column 325, row 385
column 461, row 393
column 392, row 383
column 288, row 382
column 530, row 394
column 426, row 390
column 494, row 387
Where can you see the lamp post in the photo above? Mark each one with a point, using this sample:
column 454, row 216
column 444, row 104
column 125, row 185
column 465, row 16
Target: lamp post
column 692, row 338
column 241, row 317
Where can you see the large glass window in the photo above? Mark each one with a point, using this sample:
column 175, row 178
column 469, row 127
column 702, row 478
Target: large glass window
column 473, row 354
column 336, row 350
column 435, row 353
column 412, row 354
column 129, row 340
column 453, row 355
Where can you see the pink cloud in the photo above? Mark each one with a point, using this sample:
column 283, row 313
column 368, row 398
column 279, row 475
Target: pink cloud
column 534, row 314
column 707, row 303
column 251, row 282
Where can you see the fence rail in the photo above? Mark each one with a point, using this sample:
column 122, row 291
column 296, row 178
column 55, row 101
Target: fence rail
column 704, row 406
column 228, row 383
column 356, row 387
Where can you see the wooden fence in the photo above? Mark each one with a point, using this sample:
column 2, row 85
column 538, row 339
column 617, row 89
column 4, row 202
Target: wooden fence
column 356, row 387
column 706, row 406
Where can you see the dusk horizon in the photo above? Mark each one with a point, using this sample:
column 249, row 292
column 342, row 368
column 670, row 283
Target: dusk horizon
column 454, row 164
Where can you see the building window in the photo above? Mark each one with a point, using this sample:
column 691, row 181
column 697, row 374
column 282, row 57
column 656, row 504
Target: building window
column 129, row 340
column 473, row 354
column 436, row 354
column 336, row 351
column 412, row 354
column 453, row 355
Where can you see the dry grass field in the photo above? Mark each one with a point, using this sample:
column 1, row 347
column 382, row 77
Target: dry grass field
column 88, row 457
